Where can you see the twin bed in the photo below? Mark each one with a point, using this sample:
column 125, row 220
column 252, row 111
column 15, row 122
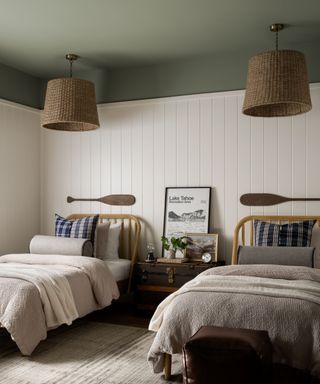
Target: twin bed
column 39, row 292
column 282, row 299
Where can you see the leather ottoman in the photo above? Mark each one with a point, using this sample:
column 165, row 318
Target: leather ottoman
column 216, row 355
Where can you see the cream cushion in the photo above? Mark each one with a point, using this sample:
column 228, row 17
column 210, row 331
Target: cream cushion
column 112, row 251
column 101, row 239
column 53, row 245
column 315, row 243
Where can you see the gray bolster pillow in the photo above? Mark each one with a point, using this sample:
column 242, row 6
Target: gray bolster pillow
column 299, row 256
column 52, row 245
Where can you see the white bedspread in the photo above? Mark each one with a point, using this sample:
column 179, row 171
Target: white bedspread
column 40, row 292
column 54, row 289
column 295, row 289
column 283, row 300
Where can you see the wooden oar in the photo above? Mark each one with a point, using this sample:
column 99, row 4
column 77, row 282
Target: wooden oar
column 109, row 199
column 262, row 199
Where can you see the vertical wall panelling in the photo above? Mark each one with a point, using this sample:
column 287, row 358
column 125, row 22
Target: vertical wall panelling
column 182, row 143
column 270, row 160
column 285, row 163
column 205, row 142
column 159, row 171
column 231, row 167
column 20, row 176
column 299, row 162
column 244, row 157
column 198, row 140
column 257, row 159
column 313, row 140
column 116, row 118
column 105, row 156
column 147, row 175
column 85, row 167
column 137, row 153
column 194, row 142
column 95, row 171
column 170, row 143
column 76, row 171
column 218, row 216
column 126, row 153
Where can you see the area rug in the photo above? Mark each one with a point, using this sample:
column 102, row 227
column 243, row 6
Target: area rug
column 86, row 353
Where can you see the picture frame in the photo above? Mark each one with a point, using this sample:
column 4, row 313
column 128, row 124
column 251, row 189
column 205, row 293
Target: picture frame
column 201, row 243
column 187, row 210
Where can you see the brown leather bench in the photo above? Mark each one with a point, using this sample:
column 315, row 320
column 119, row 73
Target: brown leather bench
column 222, row 355
column 216, row 355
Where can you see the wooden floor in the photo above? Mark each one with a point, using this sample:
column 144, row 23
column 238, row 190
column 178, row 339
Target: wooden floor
column 121, row 313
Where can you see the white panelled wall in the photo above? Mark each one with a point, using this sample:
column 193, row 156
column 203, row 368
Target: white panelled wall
column 20, row 176
column 200, row 140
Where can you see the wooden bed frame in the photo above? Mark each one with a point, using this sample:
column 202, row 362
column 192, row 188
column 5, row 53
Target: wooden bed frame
column 129, row 240
column 240, row 233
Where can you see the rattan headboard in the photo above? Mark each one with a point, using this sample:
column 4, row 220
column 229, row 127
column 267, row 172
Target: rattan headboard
column 248, row 220
column 129, row 235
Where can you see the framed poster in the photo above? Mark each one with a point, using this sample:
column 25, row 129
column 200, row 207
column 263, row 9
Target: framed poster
column 186, row 210
column 201, row 243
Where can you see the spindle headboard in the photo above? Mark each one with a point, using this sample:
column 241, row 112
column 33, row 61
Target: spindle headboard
column 240, row 229
column 129, row 235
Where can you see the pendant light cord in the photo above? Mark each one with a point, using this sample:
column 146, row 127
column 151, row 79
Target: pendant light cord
column 71, row 57
column 71, row 62
column 276, row 28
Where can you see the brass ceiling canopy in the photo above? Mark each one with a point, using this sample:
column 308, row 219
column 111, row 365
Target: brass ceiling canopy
column 70, row 104
column 277, row 83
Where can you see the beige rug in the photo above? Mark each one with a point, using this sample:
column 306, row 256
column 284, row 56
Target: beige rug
column 86, row 353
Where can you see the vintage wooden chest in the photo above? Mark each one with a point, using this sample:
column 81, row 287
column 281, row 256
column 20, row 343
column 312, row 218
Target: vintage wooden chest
column 154, row 281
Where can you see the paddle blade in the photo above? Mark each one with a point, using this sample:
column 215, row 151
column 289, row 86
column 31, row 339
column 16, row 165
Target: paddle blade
column 118, row 199
column 262, row 199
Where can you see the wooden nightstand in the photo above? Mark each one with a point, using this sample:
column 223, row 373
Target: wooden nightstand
column 155, row 281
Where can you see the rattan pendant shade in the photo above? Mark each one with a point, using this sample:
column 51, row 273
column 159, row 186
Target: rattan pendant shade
column 70, row 105
column 277, row 83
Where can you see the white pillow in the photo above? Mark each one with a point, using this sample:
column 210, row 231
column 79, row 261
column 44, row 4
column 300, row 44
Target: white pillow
column 112, row 251
column 315, row 243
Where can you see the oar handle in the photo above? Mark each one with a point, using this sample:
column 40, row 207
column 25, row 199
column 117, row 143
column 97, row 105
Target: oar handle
column 305, row 199
column 71, row 199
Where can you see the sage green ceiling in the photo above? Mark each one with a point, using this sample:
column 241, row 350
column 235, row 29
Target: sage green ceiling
column 35, row 34
column 125, row 43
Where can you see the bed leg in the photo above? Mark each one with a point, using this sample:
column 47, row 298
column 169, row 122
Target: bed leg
column 167, row 366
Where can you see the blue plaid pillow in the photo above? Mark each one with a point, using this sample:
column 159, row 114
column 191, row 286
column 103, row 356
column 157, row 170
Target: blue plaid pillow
column 296, row 234
column 63, row 226
column 84, row 228
column 266, row 234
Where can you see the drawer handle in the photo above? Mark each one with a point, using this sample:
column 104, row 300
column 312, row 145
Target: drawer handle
column 144, row 276
column 170, row 273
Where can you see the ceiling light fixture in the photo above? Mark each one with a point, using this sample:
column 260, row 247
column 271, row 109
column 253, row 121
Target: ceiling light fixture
column 277, row 83
column 70, row 104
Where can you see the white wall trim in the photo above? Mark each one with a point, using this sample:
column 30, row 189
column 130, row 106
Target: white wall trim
column 19, row 106
column 158, row 100
column 168, row 99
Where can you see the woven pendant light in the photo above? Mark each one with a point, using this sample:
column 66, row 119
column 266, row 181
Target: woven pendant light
column 277, row 83
column 70, row 104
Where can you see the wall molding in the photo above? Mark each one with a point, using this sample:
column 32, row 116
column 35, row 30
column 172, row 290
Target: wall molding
column 167, row 99
column 19, row 106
